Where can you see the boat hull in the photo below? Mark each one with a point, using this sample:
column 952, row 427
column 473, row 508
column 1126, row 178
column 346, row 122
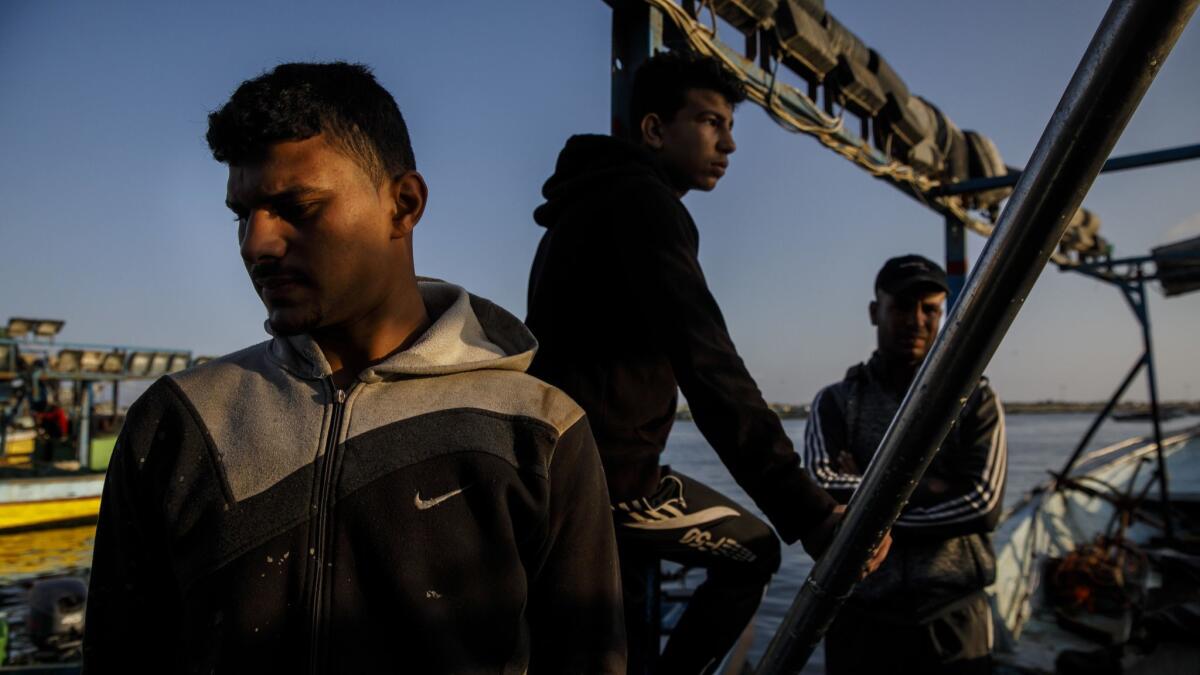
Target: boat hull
column 1050, row 523
column 50, row 501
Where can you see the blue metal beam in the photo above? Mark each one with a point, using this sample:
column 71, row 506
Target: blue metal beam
column 32, row 346
column 1122, row 163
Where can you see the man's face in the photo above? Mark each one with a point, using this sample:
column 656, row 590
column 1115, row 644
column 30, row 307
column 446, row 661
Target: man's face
column 315, row 233
column 697, row 142
column 906, row 323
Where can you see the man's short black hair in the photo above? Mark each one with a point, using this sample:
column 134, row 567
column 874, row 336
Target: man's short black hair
column 660, row 86
column 296, row 101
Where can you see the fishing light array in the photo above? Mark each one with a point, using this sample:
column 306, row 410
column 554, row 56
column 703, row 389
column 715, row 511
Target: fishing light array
column 134, row 364
column 115, row 362
column 1178, row 266
column 921, row 146
column 19, row 327
column 813, row 44
column 83, row 361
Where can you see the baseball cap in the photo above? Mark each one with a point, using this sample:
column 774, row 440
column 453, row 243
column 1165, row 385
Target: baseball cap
column 900, row 274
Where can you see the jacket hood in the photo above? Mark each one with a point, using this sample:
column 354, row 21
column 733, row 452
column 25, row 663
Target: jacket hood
column 466, row 333
column 588, row 163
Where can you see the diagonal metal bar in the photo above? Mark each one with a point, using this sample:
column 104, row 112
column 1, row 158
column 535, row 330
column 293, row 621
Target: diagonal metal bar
column 1121, row 61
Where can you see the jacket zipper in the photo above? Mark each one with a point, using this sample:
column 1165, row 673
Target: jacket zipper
column 319, row 552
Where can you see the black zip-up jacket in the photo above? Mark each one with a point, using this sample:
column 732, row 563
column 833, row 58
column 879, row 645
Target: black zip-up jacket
column 624, row 318
column 941, row 548
column 444, row 514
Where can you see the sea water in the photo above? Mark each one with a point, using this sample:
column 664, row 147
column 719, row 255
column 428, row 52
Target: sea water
column 1037, row 444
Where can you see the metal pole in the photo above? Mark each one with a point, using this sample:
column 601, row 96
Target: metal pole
column 1135, row 295
column 1125, row 501
column 84, row 454
column 1108, row 407
column 956, row 259
column 637, row 33
column 1152, row 381
column 1117, row 68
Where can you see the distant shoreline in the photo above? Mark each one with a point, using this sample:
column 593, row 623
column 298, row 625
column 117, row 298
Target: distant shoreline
column 789, row 411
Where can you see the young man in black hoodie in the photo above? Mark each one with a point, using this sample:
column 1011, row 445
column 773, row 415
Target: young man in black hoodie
column 624, row 319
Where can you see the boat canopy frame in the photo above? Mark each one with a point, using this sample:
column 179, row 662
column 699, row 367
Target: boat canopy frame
column 641, row 28
column 1127, row 51
column 1130, row 276
column 18, row 365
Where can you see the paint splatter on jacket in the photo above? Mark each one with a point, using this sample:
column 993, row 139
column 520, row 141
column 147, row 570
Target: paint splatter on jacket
column 444, row 514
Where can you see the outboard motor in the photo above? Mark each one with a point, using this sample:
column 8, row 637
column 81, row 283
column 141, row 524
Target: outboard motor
column 56, row 609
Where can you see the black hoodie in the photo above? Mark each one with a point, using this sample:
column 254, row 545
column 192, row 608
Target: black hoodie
column 624, row 319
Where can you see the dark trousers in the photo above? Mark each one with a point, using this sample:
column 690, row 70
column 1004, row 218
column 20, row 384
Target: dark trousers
column 954, row 641
column 689, row 523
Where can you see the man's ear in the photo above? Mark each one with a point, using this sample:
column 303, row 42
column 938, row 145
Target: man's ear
column 409, row 196
column 871, row 309
column 652, row 131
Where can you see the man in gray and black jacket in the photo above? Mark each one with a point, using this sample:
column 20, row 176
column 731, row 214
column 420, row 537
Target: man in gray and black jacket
column 924, row 610
column 377, row 488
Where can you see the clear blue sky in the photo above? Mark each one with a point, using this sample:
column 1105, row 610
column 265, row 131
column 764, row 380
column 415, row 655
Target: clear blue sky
column 113, row 219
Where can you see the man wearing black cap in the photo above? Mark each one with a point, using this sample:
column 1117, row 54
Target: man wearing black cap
column 924, row 610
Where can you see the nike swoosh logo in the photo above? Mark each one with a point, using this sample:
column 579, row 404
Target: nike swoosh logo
column 423, row 504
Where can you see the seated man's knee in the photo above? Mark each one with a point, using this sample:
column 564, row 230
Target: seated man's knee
column 763, row 549
column 767, row 551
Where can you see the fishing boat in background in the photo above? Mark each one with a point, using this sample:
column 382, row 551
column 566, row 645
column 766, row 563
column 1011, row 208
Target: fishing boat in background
column 59, row 420
column 1087, row 579
column 60, row 414
column 1098, row 569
